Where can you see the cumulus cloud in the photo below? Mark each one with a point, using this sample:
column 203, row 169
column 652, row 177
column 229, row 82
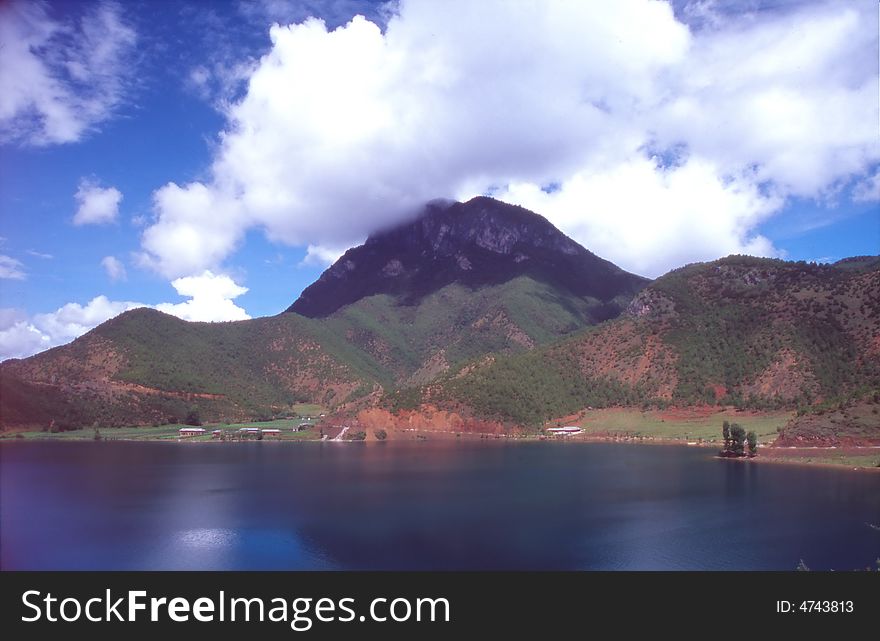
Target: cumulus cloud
column 342, row 132
column 21, row 336
column 793, row 96
column 11, row 269
column 114, row 268
column 60, row 77
column 197, row 228
column 210, row 299
column 96, row 205
column 18, row 337
column 231, row 42
column 676, row 215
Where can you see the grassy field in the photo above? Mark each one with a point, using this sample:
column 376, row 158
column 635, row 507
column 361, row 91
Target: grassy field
column 308, row 409
column 844, row 459
column 171, row 432
column 680, row 424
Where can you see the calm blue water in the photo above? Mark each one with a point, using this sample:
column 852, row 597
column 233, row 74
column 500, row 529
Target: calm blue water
column 424, row 505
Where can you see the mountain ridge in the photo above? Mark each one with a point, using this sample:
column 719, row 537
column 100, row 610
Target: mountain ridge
column 741, row 331
column 516, row 346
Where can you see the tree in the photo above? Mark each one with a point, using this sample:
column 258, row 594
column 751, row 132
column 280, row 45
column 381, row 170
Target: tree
column 193, row 418
column 738, row 439
column 97, row 436
column 381, row 434
column 752, row 438
column 725, row 431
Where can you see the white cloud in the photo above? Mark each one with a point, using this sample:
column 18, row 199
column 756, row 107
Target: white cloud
column 197, row 228
column 21, row 336
column 199, row 77
column 343, row 132
column 210, row 299
column 73, row 320
column 11, row 269
column 114, row 268
column 219, row 81
column 18, row 337
column 96, row 205
column 676, row 215
column 60, row 77
column 322, row 255
column 335, row 13
column 868, row 189
column 794, row 96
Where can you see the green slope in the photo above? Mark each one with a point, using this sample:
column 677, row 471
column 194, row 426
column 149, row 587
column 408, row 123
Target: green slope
column 460, row 323
column 145, row 366
column 245, row 360
column 748, row 332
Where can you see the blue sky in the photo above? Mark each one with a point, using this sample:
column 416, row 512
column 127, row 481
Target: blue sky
column 194, row 157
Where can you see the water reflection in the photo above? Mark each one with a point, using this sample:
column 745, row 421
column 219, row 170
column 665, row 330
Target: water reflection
column 423, row 505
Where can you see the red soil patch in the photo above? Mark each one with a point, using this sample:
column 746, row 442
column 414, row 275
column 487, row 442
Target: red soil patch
column 719, row 391
column 622, row 352
column 785, row 377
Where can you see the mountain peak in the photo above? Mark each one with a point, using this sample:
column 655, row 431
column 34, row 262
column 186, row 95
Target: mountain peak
column 479, row 242
column 448, row 227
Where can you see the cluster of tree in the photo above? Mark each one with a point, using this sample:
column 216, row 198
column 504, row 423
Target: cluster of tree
column 736, row 439
column 407, row 398
column 724, row 338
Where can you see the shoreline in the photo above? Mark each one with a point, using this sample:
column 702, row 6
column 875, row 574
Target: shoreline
column 773, row 457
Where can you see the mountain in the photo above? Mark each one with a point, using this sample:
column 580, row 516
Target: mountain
column 484, row 315
column 462, row 281
column 742, row 331
column 480, row 243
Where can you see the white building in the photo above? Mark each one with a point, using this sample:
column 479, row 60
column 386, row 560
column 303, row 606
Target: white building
column 565, row 431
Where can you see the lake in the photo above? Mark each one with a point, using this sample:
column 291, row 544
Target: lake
column 424, row 505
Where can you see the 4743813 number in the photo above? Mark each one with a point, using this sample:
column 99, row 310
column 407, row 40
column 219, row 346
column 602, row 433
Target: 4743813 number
column 818, row 607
